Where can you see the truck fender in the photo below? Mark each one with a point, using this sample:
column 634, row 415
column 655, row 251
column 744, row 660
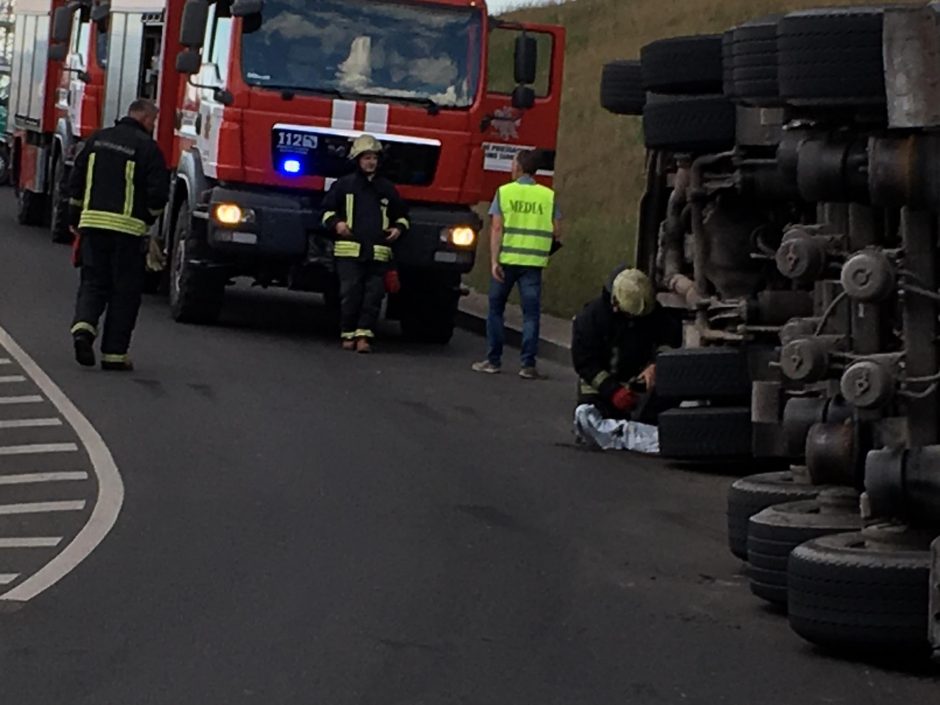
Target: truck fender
column 64, row 142
column 188, row 182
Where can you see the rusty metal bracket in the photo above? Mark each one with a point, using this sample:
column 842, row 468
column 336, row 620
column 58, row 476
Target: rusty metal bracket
column 911, row 55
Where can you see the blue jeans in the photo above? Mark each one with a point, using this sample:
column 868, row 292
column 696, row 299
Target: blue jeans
column 530, row 294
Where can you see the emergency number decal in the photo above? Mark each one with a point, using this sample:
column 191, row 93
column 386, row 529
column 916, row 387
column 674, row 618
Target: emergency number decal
column 498, row 156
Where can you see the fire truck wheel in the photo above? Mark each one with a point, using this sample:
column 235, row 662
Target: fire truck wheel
column 196, row 295
column 683, row 65
column 689, row 123
column 29, row 207
column 705, row 433
column 428, row 309
column 4, row 165
column 703, row 373
column 846, row 593
column 749, row 495
column 60, row 203
column 775, row 531
column 622, row 90
column 727, row 66
column 753, row 57
column 832, row 57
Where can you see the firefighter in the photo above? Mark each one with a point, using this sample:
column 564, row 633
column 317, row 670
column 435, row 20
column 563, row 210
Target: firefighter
column 524, row 232
column 118, row 188
column 614, row 344
column 366, row 215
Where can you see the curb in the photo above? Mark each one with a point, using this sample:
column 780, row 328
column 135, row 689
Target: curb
column 553, row 350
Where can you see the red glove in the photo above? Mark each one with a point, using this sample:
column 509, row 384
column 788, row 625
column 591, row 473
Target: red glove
column 392, row 283
column 623, row 399
column 76, row 248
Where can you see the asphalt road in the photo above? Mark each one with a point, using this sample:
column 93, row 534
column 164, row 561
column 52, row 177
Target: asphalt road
column 303, row 525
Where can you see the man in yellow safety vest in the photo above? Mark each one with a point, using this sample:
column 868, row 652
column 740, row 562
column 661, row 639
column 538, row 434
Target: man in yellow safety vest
column 524, row 232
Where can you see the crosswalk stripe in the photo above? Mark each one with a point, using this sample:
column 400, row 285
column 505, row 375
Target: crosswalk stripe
column 10, row 379
column 30, row 423
column 42, row 507
column 36, row 448
column 31, row 542
column 24, row 399
column 5, row 361
column 7, row 578
column 25, row 479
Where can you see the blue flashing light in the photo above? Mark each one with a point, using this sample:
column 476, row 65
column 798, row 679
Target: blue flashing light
column 290, row 166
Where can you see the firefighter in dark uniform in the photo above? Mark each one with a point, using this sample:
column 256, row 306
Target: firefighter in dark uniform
column 614, row 344
column 366, row 215
column 119, row 187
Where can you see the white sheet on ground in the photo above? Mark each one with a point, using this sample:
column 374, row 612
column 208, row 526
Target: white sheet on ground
column 614, row 434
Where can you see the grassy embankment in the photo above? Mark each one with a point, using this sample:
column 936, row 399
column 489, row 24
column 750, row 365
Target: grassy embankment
column 599, row 169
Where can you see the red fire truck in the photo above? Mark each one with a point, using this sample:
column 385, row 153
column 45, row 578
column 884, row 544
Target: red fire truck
column 259, row 102
column 53, row 105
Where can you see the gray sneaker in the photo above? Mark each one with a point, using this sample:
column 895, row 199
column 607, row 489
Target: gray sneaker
column 486, row 367
column 530, row 373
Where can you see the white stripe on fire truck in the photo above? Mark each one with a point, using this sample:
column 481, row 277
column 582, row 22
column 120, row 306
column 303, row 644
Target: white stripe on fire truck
column 376, row 118
column 344, row 114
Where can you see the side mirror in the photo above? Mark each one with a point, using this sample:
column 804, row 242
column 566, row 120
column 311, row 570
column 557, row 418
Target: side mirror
column 526, row 59
column 188, row 62
column 58, row 52
column 244, row 8
column 62, row 23
column 100, row 12
column 523, row 98
column 193, row 25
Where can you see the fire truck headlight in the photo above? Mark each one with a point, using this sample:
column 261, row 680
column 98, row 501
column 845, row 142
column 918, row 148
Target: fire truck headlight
column 462, row 236
column 232, row 214
column 290, row 166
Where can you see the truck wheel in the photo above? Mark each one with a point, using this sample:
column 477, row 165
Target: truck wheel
column 703, row 373
column 703, row 123
column 749, row 495
column 847, row 593
column 196, row 295
column 775, row 531
column 622, row 91
column 4, row 164
column 683, row 65
column 705, row 433
column 29, row 207
column 727, row 65
column 60, row 203
column 832, row 57
column 754, row 62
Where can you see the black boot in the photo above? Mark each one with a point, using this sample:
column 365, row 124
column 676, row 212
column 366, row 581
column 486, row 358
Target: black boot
column 84, row 349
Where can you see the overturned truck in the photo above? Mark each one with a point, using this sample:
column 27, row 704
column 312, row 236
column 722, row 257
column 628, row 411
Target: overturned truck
column 792, row 212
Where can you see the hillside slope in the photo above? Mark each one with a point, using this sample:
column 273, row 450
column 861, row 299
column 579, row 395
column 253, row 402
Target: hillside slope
column 599, row 168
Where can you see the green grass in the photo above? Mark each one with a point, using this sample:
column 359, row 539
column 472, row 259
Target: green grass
column 599, row 167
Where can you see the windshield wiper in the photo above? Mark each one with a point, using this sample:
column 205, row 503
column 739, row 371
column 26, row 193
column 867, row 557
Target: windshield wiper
column 433, row 107
column 288, row 92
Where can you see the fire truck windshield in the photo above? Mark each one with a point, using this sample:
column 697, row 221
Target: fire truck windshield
column 413, row 52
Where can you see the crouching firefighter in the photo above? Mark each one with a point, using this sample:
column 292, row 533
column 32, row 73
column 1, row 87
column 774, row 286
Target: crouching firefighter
column 614, row 344
column 365, row 214
column 118, row 188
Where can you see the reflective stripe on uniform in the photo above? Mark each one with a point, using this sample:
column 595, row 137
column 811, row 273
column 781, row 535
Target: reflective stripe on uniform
column 350, row 206
column 129, row 188
column 600, row 378
column 382, row 253
column 82, row 327
column 102, row 220
column 528, row 224
column 112, row 357
column 347, row 248
column 587, row 389
column 89, row 174
column 348, row 335
column 327, row 216
column 364, row 333
column 384, row 210
column 404, row 222
column 75, row 202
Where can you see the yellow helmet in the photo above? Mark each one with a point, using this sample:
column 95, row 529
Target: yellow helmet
column 632, row 292
column 363, row 144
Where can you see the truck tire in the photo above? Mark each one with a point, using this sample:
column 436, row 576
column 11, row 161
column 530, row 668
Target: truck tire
column 727, row 65
column 4, row 164
column 845, row 593
column 59, row 224
column 689, row 123
column 683, row 65
column 622, row 91
column 196, row 295
column 705, row 433
column 832, row 57
column 428, row 308
column 775, row 531
column 30, row 207
column 749, row 495
column 703, row 373
column 754, row 61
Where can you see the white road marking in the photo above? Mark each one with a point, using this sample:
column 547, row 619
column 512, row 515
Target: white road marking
column 5, row 361
column 7, row 578
column 37, row 448
column 31, row 542
column 110, row 486
column 26, row 479
column 41, row 508
column 10, row 379
column 25, row 399
column 30, row 423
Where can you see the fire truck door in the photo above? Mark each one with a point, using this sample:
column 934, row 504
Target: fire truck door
column 133, row 60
